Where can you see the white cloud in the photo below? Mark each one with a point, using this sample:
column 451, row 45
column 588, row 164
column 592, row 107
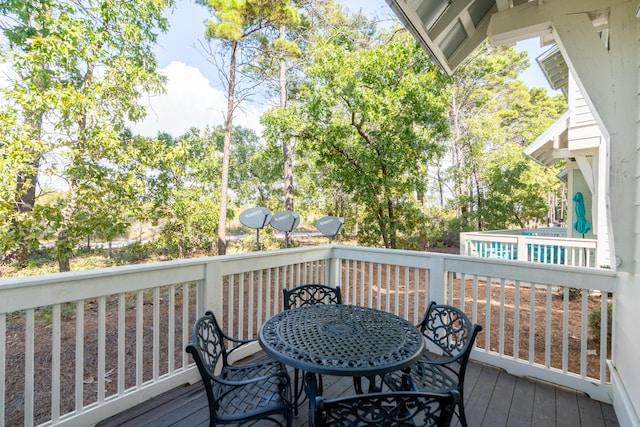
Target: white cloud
column 190, row 101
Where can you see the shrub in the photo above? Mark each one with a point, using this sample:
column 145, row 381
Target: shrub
column 595, row 324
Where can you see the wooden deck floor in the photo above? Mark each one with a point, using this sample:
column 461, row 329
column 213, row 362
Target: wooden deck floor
column 492, row 398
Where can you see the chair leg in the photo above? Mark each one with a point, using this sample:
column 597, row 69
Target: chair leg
column 463, row 418
column 457, row 396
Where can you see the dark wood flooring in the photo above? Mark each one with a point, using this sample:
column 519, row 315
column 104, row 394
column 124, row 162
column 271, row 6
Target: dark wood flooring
column 492, row 398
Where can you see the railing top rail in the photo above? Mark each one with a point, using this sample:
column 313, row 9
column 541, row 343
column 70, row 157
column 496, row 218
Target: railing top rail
column 26, row 292
column 83, row 275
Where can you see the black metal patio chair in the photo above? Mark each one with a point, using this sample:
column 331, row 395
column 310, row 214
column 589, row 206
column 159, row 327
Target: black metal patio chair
column 449, row 336
column 311, row 294
column 243, row 392
column 395, row 409
column 304, row 296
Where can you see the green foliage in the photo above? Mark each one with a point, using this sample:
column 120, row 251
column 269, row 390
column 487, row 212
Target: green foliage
column 595, row 325
column 370, row 118
column 183, row 194
column 79, row 70
column 493, row 116
column 516, row 189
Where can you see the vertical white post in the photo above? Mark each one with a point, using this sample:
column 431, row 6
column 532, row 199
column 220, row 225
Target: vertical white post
column 437, row 280
column 212, row 289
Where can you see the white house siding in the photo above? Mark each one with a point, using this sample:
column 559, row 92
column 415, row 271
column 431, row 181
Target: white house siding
column 622, row 123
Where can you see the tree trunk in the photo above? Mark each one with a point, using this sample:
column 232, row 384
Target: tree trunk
column 440, row 186
column 224, row 181
column 26, row 184
column 286, row 143
column 63, row 254
column 460, row 185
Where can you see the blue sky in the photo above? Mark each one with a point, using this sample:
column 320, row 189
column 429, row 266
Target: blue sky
column 193, row 95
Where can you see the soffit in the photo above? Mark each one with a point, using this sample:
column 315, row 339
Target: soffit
column 544, row 150
column 450, row 30
column 554, row 68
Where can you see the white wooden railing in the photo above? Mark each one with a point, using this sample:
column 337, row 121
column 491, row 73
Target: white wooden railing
column 90, row 344
column 546, row 246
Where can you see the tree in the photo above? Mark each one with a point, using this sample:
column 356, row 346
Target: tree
column 235, row 23
column 490, row 109
column 372, row 112
column 184, row 189
column 80, row 68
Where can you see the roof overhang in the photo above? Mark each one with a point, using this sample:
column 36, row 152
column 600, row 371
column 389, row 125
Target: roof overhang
column 555, row 68
column 448, row 30
column 550, row 147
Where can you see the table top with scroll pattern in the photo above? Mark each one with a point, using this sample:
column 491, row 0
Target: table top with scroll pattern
column 337, row 339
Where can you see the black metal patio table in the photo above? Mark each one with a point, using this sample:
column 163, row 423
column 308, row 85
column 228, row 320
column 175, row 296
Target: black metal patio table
column 343, row 340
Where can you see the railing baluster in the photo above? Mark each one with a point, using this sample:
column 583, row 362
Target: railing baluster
column 501, row 321
column 516, row 321
column 261, row 307
column 122, row 297
column 29, row 368
column 416, row 294
column 139, row 338
column 231, row 304
column 251, row 310
column 55, row 363
column 3, row 362
column 240, row 333
column 80, row 356
column 547, row 341
column 186, row 329
column 565, row 330
column 474, row 309
column 362, row 291
column 102, row 338
column 604, row 333
column 487, row 327
column 396, row 300
column 156, row 334
column 370, row 300
column 532, row 321
column 388, row 287
column 171, row 333
column 406, row 292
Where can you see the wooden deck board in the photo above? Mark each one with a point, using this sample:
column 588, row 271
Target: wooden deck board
column 521, row 409
column 566, row 407
column 498, row 408
column 544, row 407
column 492, row 398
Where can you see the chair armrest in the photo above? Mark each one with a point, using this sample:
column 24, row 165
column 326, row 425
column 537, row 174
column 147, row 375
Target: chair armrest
column 241, row 342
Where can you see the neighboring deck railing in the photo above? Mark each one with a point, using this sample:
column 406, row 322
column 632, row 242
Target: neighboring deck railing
column 545, row 245
column 90, row 344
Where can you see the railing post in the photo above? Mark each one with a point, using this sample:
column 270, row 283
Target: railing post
column 463, row 244
column 334, row 271
column 437, row 280
column 523, row 253
column 212, row 292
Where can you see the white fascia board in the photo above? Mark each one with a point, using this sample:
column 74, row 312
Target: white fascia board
column 547, row 138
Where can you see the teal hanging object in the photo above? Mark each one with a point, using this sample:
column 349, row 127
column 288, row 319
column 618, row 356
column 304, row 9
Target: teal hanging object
column 581, row 225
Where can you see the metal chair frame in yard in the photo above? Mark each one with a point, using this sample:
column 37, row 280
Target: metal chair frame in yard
column 450, row 337
column 393, row 409
column 243, row 392
column 303, row 296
